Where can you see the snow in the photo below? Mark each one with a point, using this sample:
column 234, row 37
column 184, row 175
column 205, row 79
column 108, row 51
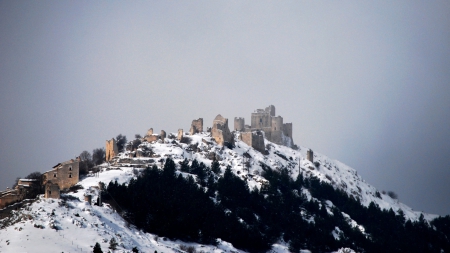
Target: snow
column 80, row 225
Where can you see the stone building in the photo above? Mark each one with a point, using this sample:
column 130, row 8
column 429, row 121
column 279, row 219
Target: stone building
column 265, row 120
column 10, row 196
column 220, row 131
column 196, row 126
column 64, row 174
column 52, row 190
column 111, row 149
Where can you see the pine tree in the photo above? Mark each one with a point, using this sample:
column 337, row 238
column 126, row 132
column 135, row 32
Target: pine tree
column 215, row 166
column 97, row 248
column 113, row 244
column 185, row 165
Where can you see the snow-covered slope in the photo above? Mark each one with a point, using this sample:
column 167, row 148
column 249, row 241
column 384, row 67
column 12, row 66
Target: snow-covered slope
column 329, row 170
column 72, row 225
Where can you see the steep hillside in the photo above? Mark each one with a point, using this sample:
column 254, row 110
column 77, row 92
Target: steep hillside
column 72, row 225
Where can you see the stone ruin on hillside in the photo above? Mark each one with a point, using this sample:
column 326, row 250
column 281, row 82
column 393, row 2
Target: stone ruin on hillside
column 196, row 126
column 273, row 127
column 111, row 149
column 220, row 131
column 264, row 125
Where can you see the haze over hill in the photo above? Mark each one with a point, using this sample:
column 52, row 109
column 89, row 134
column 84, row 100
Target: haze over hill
column 363, row 83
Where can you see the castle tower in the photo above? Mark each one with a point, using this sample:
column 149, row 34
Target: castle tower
column 310, row 155
column 239, row 124
column 111, row 149
column 270, row 110
column 287, row 129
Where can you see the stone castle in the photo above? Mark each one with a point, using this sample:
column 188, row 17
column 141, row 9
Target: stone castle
column 273, row 127
column 264, row 124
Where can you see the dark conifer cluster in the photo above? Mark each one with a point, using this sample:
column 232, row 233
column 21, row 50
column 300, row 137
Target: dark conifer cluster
column 210, row 207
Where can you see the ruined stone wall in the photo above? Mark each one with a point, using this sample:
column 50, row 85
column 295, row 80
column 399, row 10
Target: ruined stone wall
column 239, row 124
column 276, row 137
column 287, row 129
column 111, row 149
column 9, row 197
column 258, row 142
column 163, row 135
column 220, row 131
column 151, row 138
column 246, row 137
column 254, row 139
column 64, row 174
column 196, row 126
column 150, row 131
column 180, row 134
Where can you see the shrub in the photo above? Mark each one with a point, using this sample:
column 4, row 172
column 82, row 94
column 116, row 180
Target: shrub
column 377, row 194
column 185, row 140
column 392, row 194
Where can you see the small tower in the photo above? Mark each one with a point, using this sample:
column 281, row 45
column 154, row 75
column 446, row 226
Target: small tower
column 180, row 134
column 239, row 124
column 310, row 155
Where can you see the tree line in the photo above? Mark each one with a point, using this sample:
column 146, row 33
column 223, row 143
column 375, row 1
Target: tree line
column 202, row 207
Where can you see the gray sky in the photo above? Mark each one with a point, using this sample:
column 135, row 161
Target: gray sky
column 365, row 83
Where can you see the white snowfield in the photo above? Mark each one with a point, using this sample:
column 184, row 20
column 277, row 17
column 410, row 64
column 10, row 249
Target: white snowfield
column 73, row 225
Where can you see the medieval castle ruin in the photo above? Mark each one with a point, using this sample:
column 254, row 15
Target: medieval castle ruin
column 264, row 125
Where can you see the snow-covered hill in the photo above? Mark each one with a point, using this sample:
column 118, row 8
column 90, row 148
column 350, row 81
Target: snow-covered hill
column 72, row 225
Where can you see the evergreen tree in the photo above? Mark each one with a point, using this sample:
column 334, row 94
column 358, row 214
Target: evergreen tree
column 97, row 248
column 185, row 165
column 215, row 166
column 113, row 243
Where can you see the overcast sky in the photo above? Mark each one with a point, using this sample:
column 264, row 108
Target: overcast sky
column 365, row 83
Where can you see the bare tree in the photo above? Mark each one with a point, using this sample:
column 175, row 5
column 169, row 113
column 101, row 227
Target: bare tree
column 85, row 162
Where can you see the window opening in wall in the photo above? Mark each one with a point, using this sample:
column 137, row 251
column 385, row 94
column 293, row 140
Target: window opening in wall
column 70, row 168
column 54, row 175
column 70, row 175
column 260, row 120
